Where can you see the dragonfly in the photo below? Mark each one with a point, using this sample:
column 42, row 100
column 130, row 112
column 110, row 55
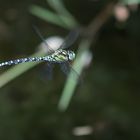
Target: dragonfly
column 60, row 56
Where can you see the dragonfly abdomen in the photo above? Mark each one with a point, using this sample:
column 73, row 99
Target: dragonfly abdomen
column 59, row 56
column 22, row 60
column 33, row 59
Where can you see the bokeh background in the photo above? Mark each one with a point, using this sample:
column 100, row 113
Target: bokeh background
column 105, row 106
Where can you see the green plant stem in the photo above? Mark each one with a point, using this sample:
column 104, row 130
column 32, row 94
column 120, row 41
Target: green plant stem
column 17, row 70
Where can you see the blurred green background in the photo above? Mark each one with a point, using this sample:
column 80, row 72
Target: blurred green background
column 106, row 105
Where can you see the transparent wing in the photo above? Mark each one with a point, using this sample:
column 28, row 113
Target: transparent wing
column 47, row 72
column 50, row 50
column 70, row 39
column 66, row 68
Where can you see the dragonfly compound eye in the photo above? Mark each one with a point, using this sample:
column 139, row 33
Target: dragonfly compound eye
column 71, row 55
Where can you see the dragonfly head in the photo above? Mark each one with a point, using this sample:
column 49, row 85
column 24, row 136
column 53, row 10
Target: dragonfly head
column 71, row 55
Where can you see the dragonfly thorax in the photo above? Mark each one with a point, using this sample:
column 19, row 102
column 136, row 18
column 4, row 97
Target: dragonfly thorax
column 61, row 55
